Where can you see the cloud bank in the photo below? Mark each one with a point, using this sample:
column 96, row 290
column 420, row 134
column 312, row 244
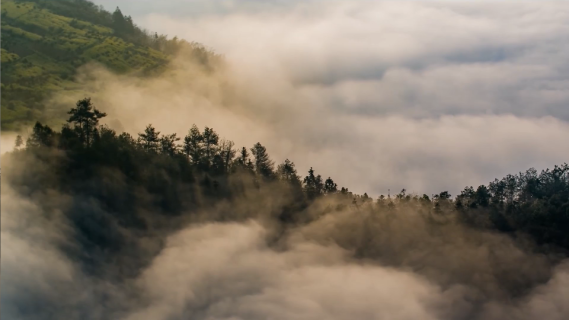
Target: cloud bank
column 427, row 96
column 211, row 270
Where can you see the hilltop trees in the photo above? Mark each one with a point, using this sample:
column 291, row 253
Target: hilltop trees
column 41, row 136
column 149, row 139
column 263, row 165
column 226, row 154
column 122, row 25
column 193, row 145
column 244, row 161
column 313, row 185
column 85, row 119
column 166, row 171
column 168, row 144
column 330, row 187
column 210, row 140
column 287, row 172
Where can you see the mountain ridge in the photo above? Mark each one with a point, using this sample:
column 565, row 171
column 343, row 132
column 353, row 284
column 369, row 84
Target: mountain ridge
column 45, row 42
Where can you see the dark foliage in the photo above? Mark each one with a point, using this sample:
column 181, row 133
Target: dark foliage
column 123, row 189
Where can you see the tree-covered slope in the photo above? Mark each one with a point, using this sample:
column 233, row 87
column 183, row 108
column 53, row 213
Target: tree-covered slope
column 44, row 42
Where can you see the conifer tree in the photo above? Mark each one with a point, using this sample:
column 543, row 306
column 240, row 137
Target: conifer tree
column 168, row 144
column 210, row 140
column 313, row 184
column 85, row 118
column 150, row 139
column 286, row 171
column 330, row 186
column 193, row 145
column 263, row 165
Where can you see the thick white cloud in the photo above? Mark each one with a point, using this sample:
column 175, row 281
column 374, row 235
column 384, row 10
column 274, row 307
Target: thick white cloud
column 227, row 272
column 427, row 95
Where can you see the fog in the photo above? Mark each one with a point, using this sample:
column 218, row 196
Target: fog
column 406, row 268
column 426, row 96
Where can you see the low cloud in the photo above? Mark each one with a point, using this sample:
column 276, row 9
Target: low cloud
column 423, row 96
column 349, row 263
column 229, row 271
column 426, row 96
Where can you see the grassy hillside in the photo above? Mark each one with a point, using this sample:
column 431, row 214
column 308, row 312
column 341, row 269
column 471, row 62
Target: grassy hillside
column 44, row 42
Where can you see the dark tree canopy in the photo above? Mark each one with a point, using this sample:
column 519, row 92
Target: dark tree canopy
column 313, row 184
column 120, row 189
column 263, row 164
column 150, row 139
column 85, row 119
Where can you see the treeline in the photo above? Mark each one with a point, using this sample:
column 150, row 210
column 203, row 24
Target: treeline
column 147, row 184
column 122, row 25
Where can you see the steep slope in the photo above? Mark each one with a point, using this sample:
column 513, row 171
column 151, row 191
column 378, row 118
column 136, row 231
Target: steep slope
column 44, row 42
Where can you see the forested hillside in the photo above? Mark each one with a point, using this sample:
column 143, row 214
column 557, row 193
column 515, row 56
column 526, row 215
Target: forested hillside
column 45, row 41
column 123, row 188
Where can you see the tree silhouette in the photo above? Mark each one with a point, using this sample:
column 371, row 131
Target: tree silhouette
column 313, row 185
column 210, row 140
column 168, row 144
column 193, row 145
column 150, row 139
column 85, row 119
column 263, row 165
column 286, row 171
column 153, row 175
column 227, row 153
column 329, row 186
column 41, row 136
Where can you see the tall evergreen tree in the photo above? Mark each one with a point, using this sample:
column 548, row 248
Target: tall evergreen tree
column 210, row 140
column 41, row 136
column 227, row 153
column 168, row 144
column 313, row 185
column 119, row 22
column 85, row 118
column 330, row 187
column 150, row 139
column 193, row 147
column 286, row 171
column 263, row 164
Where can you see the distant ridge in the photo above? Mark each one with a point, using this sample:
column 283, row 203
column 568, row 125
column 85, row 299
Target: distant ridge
column 45, row 41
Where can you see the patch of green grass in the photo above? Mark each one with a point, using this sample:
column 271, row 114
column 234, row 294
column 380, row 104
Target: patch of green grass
column 41, row 52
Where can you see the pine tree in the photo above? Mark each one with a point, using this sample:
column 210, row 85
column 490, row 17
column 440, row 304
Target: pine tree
column 227, row 153
column 150, row 139
column 168, row 144
column 210, row 140
column 330, row 186
column 263, row 165
column 41, row 136
column 313, row 185
column 287, row 172
column 193, row 146
column 85, row 118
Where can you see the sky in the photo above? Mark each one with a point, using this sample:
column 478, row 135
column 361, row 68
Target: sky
column 427, row 96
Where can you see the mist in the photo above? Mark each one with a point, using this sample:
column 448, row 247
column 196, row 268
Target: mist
column 427, row 96
column 232, row 261
column 380, row 95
